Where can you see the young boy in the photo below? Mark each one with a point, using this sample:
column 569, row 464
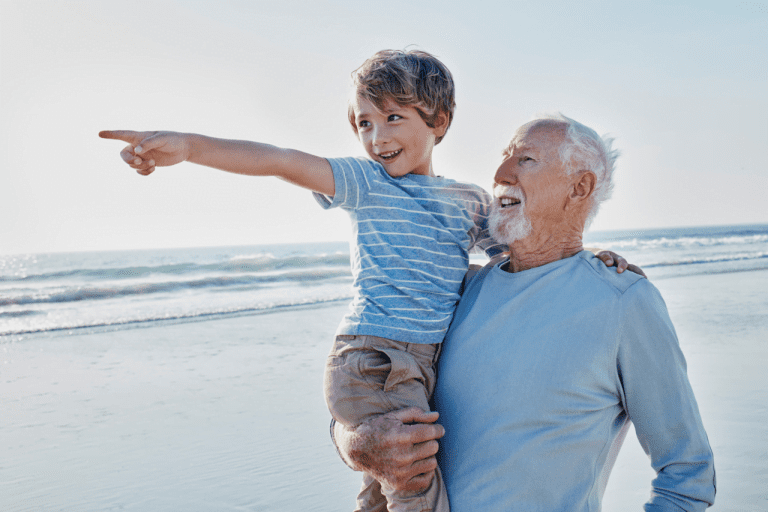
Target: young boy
column 413, row 232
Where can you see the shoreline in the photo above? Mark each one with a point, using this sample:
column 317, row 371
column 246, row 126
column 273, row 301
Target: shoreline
column 84, row 330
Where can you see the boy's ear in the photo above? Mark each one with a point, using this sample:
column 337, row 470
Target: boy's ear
column 441, row 124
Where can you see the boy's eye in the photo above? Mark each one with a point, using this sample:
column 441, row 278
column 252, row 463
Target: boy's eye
column 363, row 124
column 394, row 117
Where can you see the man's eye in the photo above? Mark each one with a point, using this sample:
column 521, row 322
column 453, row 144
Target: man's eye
column 525, row 158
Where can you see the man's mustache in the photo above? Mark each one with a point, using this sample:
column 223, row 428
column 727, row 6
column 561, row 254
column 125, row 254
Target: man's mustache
column 500, row 191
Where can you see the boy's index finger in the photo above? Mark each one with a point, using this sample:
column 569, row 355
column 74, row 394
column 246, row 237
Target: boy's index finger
column 124, row 135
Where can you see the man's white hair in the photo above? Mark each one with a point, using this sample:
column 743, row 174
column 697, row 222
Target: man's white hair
column 583, row 149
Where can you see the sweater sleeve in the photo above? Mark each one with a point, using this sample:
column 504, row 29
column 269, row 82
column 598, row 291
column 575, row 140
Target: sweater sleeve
column 659, row 400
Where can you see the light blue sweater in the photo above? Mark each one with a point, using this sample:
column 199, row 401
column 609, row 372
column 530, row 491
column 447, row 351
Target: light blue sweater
column 540, row 374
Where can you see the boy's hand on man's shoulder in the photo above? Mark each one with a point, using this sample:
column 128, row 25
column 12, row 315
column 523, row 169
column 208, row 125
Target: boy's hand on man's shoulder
column 611, row 259
column 147, row 150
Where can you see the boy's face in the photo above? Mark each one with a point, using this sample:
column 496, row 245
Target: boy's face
column 397, row 138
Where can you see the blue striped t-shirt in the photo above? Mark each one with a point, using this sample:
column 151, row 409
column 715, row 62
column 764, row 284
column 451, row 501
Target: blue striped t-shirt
column 410, row 248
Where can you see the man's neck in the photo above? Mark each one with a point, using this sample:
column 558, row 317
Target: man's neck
column 536, row 251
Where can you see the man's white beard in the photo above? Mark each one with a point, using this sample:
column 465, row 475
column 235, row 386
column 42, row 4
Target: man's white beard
column 508, row 225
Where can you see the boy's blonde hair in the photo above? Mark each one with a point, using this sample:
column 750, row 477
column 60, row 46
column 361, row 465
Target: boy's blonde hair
column 409, row 78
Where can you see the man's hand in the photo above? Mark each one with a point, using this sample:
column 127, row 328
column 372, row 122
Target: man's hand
column 146, row 150
column 610, row 259
column 398, row 448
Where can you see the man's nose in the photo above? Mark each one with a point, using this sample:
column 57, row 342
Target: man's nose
column 505, row 174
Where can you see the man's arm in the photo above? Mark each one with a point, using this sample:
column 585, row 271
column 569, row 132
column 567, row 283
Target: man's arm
column 397, row 448
column 660, row 402
column 148, row 150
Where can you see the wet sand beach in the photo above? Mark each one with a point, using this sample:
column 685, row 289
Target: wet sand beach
column 228, row 414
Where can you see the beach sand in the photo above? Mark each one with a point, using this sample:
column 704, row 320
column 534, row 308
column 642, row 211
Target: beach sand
column 228, row 414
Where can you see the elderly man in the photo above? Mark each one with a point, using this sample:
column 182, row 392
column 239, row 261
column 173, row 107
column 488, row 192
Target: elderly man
column 550, row 355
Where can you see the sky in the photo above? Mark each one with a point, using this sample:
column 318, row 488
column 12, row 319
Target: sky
column 680, row 85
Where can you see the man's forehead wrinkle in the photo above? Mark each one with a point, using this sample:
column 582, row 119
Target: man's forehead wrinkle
column 519, row 144
column 514, row 143
column 543, row 132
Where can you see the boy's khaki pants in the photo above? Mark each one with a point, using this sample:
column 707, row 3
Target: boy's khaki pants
column 366, row 376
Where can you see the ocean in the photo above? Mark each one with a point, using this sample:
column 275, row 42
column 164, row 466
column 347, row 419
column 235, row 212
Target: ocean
column 57, row 292
column 64, row 292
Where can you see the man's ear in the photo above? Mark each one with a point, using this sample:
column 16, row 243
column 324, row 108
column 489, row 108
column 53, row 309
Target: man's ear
column 583, row 186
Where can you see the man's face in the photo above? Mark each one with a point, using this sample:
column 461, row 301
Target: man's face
column 397, row 137
column 530, row 186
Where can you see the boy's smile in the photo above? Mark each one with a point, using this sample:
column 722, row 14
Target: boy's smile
column 397, row 137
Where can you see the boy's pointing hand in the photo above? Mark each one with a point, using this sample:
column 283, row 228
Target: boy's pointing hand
column 146, row 150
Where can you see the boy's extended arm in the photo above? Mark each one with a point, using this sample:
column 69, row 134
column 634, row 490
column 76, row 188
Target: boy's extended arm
column 147, row 150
